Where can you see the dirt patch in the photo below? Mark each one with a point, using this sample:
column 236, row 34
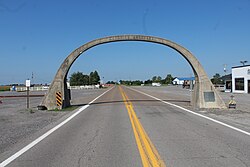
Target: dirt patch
column 17, row 123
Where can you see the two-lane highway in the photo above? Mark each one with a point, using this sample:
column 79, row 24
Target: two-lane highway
column 124, row 127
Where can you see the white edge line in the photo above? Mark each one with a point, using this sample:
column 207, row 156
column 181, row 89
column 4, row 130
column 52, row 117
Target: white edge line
column 36, row 141
column 192, row 112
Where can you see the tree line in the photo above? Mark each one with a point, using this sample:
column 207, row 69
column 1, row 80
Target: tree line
column 78, row 78
column 158, row 79
column 217, row 79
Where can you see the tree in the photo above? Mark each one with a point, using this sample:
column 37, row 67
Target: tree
column 111, row 82
column 94, row 78
column 154, row 78
column 137, row 82
column 85, row 80
column 158, row 79
column 148, row 82
column 91, row 78
column 168, row 79
column 216, row 79
column 134, row 83
column 76, row 79
column 123, row 82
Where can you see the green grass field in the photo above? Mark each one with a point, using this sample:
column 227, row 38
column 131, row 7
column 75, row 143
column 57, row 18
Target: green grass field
column 5, row 88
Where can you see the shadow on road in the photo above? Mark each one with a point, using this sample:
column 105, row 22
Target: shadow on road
column 131, row 100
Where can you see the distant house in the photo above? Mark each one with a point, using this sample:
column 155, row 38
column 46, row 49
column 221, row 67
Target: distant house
column 183, row 81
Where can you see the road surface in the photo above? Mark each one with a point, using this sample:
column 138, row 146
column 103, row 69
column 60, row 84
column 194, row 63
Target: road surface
column 124, row 127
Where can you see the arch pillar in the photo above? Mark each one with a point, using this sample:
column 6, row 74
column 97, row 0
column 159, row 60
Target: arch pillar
column 203, row 96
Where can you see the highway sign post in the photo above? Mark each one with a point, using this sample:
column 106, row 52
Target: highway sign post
column 27, row 83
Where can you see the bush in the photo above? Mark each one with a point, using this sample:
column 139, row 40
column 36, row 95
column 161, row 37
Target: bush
column 4, row 88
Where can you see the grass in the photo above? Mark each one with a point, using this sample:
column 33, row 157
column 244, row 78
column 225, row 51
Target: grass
column 70, row 108
column 30, row 110
column 5, row 88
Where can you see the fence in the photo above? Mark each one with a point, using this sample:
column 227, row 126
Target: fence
column 23, row 89
column 85, row 87
column 42, row 88
column 220, row 87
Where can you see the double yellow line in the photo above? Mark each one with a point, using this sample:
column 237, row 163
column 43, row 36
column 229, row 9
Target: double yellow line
column 148, row 152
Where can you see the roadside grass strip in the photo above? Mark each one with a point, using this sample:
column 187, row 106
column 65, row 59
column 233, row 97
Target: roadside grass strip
column 149, row 154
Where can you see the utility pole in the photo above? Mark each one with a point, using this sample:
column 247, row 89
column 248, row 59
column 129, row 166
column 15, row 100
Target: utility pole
column 32, row 77
column 27, row 83
column 225, row 69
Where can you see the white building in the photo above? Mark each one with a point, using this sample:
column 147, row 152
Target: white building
column 241, row 79
column 178, row 81
column 181, row 81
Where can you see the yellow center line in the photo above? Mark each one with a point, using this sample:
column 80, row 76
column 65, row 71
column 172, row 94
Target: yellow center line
column 149, row 154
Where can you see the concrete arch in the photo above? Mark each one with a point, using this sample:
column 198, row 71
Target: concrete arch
column 204, row 94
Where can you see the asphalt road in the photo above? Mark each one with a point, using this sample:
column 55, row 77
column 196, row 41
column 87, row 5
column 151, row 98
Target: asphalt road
column 107, row 133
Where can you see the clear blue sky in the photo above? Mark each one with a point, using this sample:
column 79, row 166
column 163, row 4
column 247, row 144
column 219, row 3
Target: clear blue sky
column 36, row 36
